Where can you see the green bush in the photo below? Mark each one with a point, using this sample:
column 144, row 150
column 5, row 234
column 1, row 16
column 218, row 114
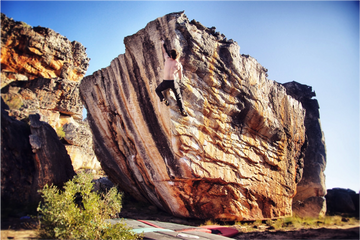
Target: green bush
column 79, row 213
column 13, row 101
column 60, row 132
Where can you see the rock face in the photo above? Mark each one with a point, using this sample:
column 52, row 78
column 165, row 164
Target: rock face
column 53, row 164
column 239, row 153
column 31, row 156
column 52, row 97
column 342, row 202
column 41, row 71
column 17, row 162
column 28, row 53
column 311, row 189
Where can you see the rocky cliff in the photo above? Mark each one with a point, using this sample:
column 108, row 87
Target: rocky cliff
column 40, row 74
column 43, row 137
column 28, row 53
column 309, row 200
column 239, row 153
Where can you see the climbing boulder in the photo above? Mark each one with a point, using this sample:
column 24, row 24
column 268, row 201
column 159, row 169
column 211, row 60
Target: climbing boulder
column 239, row 153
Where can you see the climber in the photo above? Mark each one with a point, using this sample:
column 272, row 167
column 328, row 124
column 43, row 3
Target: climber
column 172, row 68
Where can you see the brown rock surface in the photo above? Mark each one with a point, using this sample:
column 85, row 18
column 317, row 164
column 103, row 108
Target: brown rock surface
column 28, row 53
column 309, row 200
column 239, row 153
column 58, row 103
column 32, row 54
column 51, row 97
column 55, row 67
column 53, row 164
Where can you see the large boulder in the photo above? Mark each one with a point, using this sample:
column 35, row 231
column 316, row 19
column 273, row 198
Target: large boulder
column 342, row 201
column 311, row 189
column 79, row 145
column 239, row 153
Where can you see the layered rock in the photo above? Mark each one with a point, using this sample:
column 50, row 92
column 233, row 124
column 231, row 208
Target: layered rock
column 309, row 200
column 54, row 98
column 237, row 156
column 28, row 53
column 47, row 69
column 80, row 145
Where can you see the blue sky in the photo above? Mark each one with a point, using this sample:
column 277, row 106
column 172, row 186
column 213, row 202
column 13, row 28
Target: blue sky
column 314, row 43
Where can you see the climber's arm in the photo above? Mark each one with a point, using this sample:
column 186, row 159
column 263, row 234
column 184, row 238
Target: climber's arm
column 166, row 55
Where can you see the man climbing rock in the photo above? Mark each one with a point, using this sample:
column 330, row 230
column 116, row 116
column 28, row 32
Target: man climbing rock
column 172, row 68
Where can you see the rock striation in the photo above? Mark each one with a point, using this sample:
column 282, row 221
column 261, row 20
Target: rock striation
column 239, row 153
column 40, row 74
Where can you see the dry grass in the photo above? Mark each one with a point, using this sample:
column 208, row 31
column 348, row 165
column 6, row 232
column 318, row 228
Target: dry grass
column 293, row 223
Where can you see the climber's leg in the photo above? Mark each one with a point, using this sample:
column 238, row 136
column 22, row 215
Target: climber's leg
column 176, row 90
column 162, row 87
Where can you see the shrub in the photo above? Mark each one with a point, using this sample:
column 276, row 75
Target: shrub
column 24, row 24
column 14, row 102
column 79, row 213
column 209, row 222
column 60, row 132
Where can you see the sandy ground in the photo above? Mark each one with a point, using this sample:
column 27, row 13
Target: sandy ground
column 18, row 234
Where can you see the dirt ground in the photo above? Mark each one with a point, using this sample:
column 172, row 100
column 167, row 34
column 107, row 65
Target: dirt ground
column 343, row 232
column 16, row 228
column 134, row 210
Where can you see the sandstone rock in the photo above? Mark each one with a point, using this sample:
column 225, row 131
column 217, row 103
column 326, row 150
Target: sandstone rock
column 55, row 67
column 312, row 183
column 28, row 53
column 31, row 156
column 17, row 163
column 58, row 103
column 55, row 96
column 46, row 68
column 80, row 146
column 310, row 207
column 53, row 164
column 82, row 158
column 239, row 153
